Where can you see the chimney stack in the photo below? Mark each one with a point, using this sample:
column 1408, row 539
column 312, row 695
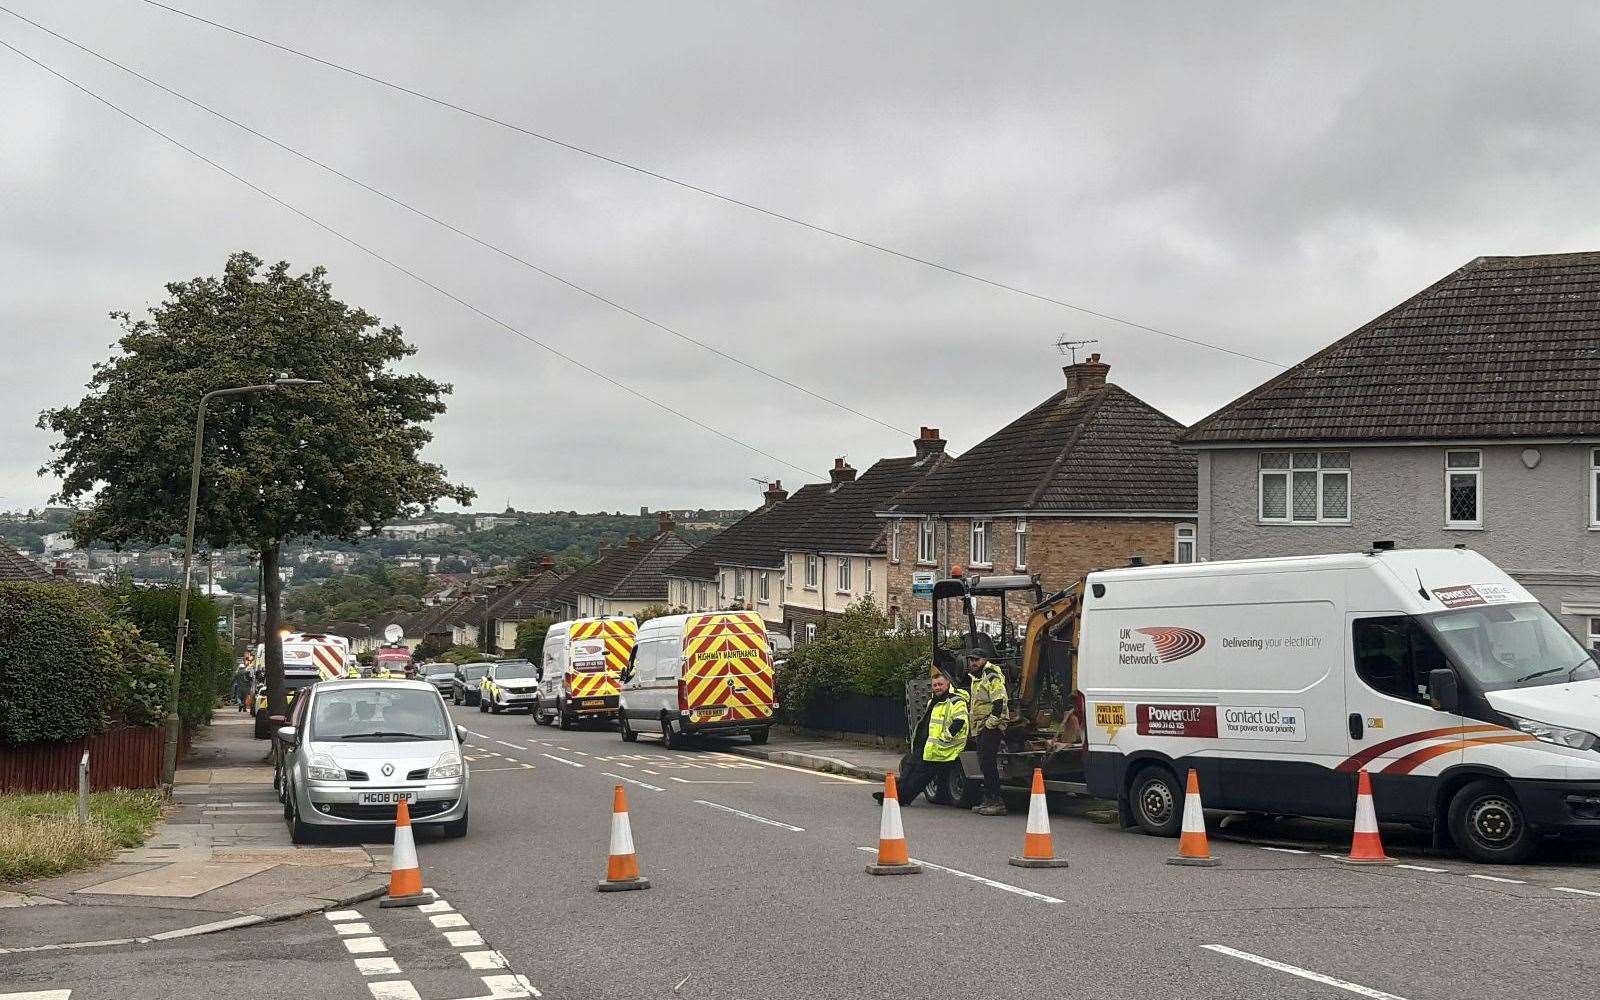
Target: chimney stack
column 60, row 570
column 547, row 563
column 929, row 442
column 841, row 472
column 775, row 493
column 665, row 521
column 1086, row 376
column 633, row 541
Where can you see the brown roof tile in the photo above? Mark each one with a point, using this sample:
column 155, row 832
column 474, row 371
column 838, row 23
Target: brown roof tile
column 18, row 568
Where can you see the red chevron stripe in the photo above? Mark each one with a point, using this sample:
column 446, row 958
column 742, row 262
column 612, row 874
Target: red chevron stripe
column 1411, row 761
column 1362, row 759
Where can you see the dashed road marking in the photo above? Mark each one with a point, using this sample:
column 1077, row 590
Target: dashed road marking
column 1576, row 892
column 621, row 764
column 343, row 915
column 505, row 744
column 1294, row 970
column 484, row 959
column 443, row 920
column 364, row 946
column 839, row 778
column 1286, row 850
column 991, row 883
column 38, row 995
column 1496, row 878
column 750, row 816
column 646, row 770
column 707, row 781
column 383, row 966
column 464, row 939
column 634, row 781
column 563, row 760
column 1425, row 868
column 353, row 927
column 394, row 989
column 509, row 986
column 437, row 906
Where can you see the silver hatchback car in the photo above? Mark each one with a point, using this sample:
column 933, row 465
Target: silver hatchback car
column 362, row 746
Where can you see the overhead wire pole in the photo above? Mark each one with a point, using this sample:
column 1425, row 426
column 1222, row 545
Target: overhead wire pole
column 406, row 271
column 708, row 192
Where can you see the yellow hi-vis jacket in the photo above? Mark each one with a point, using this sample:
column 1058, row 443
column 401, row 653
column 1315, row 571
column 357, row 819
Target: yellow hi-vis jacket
column 989, row 698
column 947, row 728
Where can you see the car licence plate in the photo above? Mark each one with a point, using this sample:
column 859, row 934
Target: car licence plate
column 709, row 713
column 385, row 798
column 592, row 703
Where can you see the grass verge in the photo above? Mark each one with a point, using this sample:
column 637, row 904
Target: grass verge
column 40, row 836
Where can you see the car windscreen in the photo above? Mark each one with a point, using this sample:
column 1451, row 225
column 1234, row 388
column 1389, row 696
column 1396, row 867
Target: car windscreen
column 474, row 672
column 378, row 714
column 434, row 669
column 514, row 672
column 1511, row 645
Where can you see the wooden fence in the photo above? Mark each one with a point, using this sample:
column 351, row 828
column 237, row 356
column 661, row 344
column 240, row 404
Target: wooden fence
column 120, row 757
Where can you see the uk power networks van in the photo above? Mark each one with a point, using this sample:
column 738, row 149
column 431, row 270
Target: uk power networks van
column 708, row 673
column 1473, row 710
column 579, row 675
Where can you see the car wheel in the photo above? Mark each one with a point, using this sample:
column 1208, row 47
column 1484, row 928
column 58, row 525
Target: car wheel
column 288, row 802
column 496, row 709
column 938, row 790
column 456, row 828
column 759, row 737
column 1157, row 801
column 541, row 716
column 628, row 735
column 299, row 832
column 455, row 699
column 1488, row 824
column 482, row 707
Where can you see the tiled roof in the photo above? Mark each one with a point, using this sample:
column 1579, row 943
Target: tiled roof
column 755, row 539
column 634, row 572
column 1103, row 450
column 526, row 599
column 18, row 568
column 847, row 521
column 1505, row 347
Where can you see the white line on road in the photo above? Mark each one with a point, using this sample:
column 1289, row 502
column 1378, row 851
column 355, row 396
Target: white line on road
column 1496, row 878
column 646, row 770
column 384, row 966
column 343, row 915
column 464, row 939
column 353, row 927
column 569, row 763
column 1576, row 892
column 394, row 989
column 364, row 946
column 509, row 986
column 634, row 781
column 991, row 883
column 38, row 995
column 511, row 745
column 443, row 920
column 1425, row 868
column 758, row 819
column 484, row 959
column 1293, row 970
column 1286, row 850
column 708, row 781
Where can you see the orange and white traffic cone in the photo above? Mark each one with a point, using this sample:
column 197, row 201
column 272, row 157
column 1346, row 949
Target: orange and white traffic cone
column 405, row 875
column 1038, row 850
column 1193, row 848
column 894, row 858
column 1366, row 847
column 622, row 865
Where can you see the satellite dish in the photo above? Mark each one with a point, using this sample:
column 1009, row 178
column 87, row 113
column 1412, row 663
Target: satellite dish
column 393, row 633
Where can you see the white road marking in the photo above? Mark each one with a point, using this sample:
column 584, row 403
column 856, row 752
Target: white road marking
column 1334, row 857
column 690, row 781
column 1286, row 850
column 38, row 995
column 343, row 915
column 569, row 763
column 384, row 966
column 505, row 744
column 741, row 812
column 437, row 906
column 1424, row 868
column 1315, row 977
column 843, row 778
column 991, row 883
column 634, row 781
column 1577, row 892
column 509, row 986
column 364, row 946
column 394, row 989
column 484, row 959
column 646, row 770
column 580, row 753
column 1496, row 878
column 353, row 927
column 621, row 764
column 464, row 939
column 443, row 920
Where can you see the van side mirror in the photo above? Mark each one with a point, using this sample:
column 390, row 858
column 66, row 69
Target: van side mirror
column 1442, row 690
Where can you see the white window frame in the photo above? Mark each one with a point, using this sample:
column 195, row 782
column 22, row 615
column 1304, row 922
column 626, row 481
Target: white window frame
column 842, row 574
column 766, row 588
column 978, row 545
column 1288, row 471
column 811, row 572
column 1476, row 472
column 866, row 576
column 1184, row 534
column 811, row 631
column 894, row 541
column 1594, row 632
column 1022, row 543
column 738, row 584
column 924, row 621
column 927, row 550
column 1594, row 489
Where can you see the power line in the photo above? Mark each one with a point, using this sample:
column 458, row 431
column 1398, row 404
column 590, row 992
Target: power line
column 509, row 255
column 708, row 192
column 401, row 268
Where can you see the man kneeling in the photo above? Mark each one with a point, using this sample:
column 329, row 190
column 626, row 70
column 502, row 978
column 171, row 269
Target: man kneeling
column 937, row 744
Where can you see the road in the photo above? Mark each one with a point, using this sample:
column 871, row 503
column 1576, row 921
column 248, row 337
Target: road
column 759, row 891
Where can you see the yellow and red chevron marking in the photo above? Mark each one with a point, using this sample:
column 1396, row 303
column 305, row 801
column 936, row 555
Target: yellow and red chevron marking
column 727, row 664
column 597, row 685
column 619, row 634
column 329, row 661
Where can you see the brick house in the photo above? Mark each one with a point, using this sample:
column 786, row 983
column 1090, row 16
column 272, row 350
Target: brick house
column 631, row 577
column 1090, row 478
column 1468, row 414
column 516, row 602
column 840, row 554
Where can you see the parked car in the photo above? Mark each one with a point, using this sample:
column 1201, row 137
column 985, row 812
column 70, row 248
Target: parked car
column 509, row 685
column 440, row 675
column 362, row 748
column 464, row 683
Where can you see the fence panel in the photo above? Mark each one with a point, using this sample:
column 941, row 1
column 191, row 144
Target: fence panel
column 119, row 757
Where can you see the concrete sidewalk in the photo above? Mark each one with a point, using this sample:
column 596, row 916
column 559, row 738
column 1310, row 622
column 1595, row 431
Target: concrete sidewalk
column 819, row 753
column 220, row 858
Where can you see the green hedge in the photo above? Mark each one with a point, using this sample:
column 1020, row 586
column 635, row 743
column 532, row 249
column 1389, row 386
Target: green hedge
column 207, row 660
column 60, row 669
column 853, row 654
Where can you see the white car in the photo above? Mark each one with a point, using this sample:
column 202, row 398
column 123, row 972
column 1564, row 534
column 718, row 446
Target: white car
column 363, row 746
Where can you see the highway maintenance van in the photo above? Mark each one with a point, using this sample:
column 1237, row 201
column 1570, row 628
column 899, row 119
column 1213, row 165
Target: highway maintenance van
column 580, row 674
column 708, row 673
column 1473, row 710
column 308, row 657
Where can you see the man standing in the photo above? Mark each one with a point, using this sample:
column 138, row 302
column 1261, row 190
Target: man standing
column 937, row 743
column 989, row 711
column 241, row 688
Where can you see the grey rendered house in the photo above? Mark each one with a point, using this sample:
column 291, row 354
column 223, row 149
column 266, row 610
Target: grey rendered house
column 1469, row 414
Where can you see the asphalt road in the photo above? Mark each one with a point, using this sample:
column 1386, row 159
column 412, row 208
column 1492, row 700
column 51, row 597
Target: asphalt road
column 759, row 891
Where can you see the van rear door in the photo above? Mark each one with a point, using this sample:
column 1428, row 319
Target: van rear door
column 727, row 668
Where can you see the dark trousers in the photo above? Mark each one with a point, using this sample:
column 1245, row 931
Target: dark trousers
column 917, row 775
column 989, row 760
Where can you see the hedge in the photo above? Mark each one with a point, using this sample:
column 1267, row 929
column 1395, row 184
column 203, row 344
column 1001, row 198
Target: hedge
column 207, row 660
column 854, row 654
column 60, row 669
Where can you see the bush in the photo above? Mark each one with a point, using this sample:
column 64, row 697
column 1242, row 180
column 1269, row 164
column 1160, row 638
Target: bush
column 59, row 666
column 207, row 660
column 530, row 638
column 462, row 654
column 853, row 654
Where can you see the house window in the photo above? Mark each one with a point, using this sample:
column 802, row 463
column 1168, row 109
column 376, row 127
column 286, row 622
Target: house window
column 738, row 584
column 702, row 598
column 790, row 572
column 1022, row 544
column 1594, row 488
column 810, row 632
column 811, row 572
column 924, row 620
column 894, row 536
column 925, row 541
column 1463, row 489
column 1304, row 487
column 980, row 543
column 1183, row 544
column 866, row 576
column 1594, row 634
column 766, row 592
column 844, row 575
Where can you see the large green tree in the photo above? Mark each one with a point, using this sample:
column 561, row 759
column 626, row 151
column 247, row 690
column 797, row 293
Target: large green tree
column 330, row 461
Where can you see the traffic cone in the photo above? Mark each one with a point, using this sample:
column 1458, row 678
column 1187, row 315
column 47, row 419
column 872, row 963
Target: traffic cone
column 893, row 856
column 1193, row 848
column 1366, row 847
column 1038, row 851
column 405, row 875
column 622, row 866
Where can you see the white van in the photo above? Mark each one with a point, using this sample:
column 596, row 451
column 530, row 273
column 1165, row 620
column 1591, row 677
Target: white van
column 1473, row 710
column 708, row 673
column 580, row 673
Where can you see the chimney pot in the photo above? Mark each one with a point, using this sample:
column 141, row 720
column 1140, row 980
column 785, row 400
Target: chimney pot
column 841, row 472
column 775, row 493
column 929, row 442
column 1086, row 376
column 665, row 522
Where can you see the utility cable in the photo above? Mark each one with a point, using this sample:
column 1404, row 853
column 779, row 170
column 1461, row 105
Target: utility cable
column 401, row 268
column 509, row 255
column 709, row 193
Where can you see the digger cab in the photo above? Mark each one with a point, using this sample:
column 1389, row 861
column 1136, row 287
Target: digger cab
column 987, row 615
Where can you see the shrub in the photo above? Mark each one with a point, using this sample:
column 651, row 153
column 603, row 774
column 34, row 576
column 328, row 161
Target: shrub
column 462, row 654
column 207, row 660
column 530, row 638
column 856, row 653
column 59, row 667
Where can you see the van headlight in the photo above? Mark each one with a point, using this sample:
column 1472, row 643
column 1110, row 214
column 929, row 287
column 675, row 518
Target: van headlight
column 447, row 766
column 322, row 768
column 1575, row 739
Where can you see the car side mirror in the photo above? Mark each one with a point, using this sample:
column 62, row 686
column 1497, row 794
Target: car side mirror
column 1442, row 690
column 287, row 735
column 461, row 734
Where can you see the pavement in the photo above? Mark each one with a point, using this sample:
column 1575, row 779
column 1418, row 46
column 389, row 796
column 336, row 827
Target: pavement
column 220, row 858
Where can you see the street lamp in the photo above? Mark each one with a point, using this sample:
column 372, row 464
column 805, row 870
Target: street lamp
column 169, row 765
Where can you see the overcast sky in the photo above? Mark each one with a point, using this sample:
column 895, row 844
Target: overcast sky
column 1264, row 177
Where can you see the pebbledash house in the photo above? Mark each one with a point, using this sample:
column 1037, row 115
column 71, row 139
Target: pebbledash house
column 1469, row 415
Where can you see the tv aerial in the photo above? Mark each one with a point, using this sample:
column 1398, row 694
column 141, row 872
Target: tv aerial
column 1072, row 347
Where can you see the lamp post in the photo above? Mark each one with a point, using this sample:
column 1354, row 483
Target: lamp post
column 169, row 765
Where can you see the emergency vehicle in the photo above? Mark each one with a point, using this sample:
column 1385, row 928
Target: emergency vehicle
column 579, row 675
column 395, row 660
column 708, row 673
column 308, row 657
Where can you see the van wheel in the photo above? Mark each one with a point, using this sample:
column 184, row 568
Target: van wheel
column 1157, row 801
column 759, row 737
column 540, row 715
column 1488, row 825
column 628, row 735
column 670, row 739
column 563, row 715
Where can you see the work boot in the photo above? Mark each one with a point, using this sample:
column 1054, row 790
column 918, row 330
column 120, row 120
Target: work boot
column 992, row 808
column 877, row 797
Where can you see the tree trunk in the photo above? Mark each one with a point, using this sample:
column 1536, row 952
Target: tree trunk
column 271, row 588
